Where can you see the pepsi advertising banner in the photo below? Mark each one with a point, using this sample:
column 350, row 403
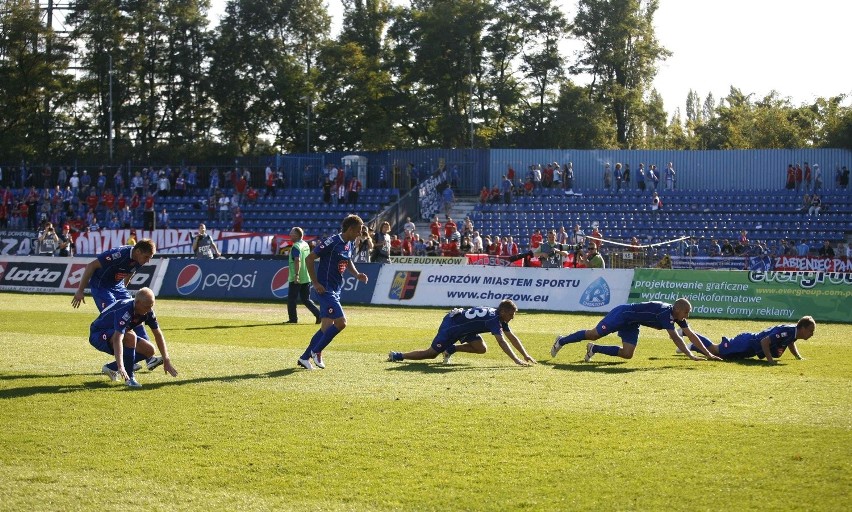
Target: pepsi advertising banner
column 249, row 279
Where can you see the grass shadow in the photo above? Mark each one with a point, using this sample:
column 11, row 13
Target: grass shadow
column 435, row 367
column 26, row 391
column 604, row 367
column 7, row 376
column 208, row 327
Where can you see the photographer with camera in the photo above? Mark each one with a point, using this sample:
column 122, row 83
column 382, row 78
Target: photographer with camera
column 203, row 245
column 66, row 242
column 550, row 253
column 48, row 242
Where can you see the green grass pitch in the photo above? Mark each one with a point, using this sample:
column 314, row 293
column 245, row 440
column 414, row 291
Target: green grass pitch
column 242, row 429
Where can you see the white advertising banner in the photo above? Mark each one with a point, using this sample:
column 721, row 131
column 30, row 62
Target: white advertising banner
column 546, row 289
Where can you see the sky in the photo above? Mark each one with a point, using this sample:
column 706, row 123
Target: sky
column 795, row 47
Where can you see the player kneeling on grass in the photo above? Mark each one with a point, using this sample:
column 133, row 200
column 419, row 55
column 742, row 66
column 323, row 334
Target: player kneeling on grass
column 113, row 332
column 465, row 326
column 769, row 343
column 625, row 320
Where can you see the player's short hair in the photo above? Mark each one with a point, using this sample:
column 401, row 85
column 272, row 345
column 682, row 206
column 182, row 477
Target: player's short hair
column 805, row 322
column 146, row 245
column 507, row 304
column 682, row 305
column 145, row 295
column 299, row 233
column 351, row 220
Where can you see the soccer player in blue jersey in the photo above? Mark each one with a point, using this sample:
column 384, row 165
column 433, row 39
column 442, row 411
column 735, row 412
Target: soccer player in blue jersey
column 625, row 320
column 335, row 256
column 768, row 344
column 112, row 332
column 465, row 326
column 108, row 275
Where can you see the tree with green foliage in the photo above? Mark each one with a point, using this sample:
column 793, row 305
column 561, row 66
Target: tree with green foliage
column 620, row 52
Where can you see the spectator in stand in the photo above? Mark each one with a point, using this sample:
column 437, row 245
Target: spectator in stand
column 808, row 177
column 354, row 190
column 433, row 248
column 654, row 177
column 547, row 176
column 419, row 246
column 93, row 225
column 848, row 252
column 484, row 195
column 799, row 176
column 640, row 178
column 787, row 248
column 407, row 245
column 670, row 176
column 149, row 204
column 163, row 219
column 224, row 208
column 656, row 203
column 506, row 189
column 326, row 190
column 636, row 248
column 240, row 187
column 476, row 243
column 238, row 219
column 806, row 203
column 791, row 178
column 727, row 248
column 596, row 238
column 435, row 227
column 493, row 245
column 536, row 239
column 494, row 196
column 607, row 177
column 618, row 174
column 568, row 174
column 510, row 248
column 742, row 243
column 467, row 227
column 251, row 195
column 562, row 236
column 844, row 178
column 826, row 251
column 817, row 178
column 269, row 180
column 466, row 246
column 550, row 253
column 715, row 249
column 578, row 237
column 4, row 215
column 192, row 180
column 448, row 199
column 340, row 190
column 803, row 249
column 816, row 206
column 409, row 227
column 180, row 184
column 450, row 227
column 450, row 248
column 163, row 185
column 382, row 244
column 627, row 176
column 114, row 223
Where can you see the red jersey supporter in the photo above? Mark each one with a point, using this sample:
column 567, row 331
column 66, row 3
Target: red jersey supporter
column 529, row 187
column 108, row 199
column 407, row 246
column 597, row 234
column 510, row 248
column 449, row 228
column 396, row 246
column 484, row 194
column 510, row 174
column 135, row 201
column 495, row 196
column 536, row 239
column 450, row 248
column 149, row 202
column 121, row 201
column 92, row 200
column 238, row 219
column 251, row 194
column 435, row 227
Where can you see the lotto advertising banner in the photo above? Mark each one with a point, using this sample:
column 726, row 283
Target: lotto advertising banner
column 530, row 288
column 750, row 295
column 40, row 274
column 176, row 241
column 248, row 279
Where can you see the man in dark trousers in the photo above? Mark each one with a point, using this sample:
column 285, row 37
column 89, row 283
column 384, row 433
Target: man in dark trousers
column 300, row 281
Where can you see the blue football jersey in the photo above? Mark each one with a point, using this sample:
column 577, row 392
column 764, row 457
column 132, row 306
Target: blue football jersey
column 334, row 255
column 779, row 337
column 470, row 321
column 657, row 315
column 119, row 316
column 116, row 265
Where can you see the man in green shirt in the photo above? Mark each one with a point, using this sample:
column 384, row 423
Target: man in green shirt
column 300, row 281
column 594, row 259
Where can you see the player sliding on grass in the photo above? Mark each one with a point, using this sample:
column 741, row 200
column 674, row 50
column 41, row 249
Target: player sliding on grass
column 465, row 326
column 113, row 332
column 334, row 255
column 625, row 320
column 769, row 343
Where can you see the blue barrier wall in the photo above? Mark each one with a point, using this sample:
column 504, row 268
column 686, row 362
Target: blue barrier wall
column 249, row 279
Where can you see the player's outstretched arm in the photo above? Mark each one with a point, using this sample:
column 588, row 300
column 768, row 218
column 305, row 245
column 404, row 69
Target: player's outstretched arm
column 164, row 351
column 700, row 346
column 80, row 294
column 516, row 342
column 681, row 345
column 765, row 345
column 795, row 350
column 508, row 350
